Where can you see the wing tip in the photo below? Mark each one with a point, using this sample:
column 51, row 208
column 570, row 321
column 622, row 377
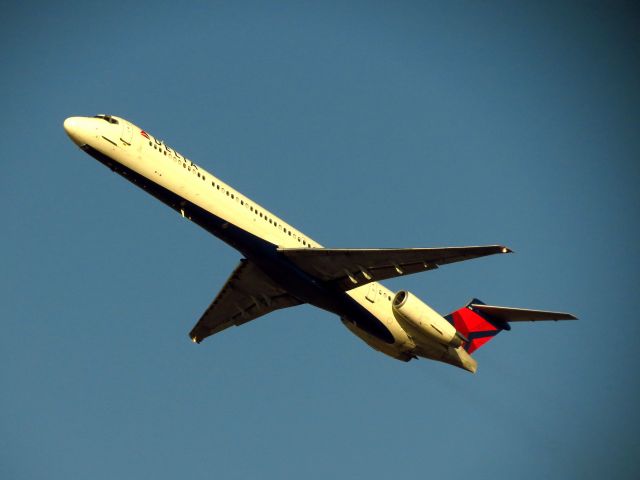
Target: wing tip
column 196, row 335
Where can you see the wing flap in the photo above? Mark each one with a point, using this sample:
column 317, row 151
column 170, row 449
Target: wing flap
column 350, row 268
column 247, row 295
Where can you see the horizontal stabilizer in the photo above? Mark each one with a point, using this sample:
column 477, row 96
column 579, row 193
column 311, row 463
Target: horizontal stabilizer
column 509, row 314
column 347, row 268
column 479, row 323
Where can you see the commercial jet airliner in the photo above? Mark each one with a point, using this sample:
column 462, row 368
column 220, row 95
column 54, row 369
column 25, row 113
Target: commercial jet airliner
column 282, row 267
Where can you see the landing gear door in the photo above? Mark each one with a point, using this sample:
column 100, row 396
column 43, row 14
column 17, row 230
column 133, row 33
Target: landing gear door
column 127, row 133
column 371, row 293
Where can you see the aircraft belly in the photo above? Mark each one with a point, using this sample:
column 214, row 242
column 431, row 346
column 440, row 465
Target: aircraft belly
column 312, row 291
column 394, row 350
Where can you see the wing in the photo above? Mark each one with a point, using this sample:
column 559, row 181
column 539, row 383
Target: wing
column 350, row 268
column 247, row 295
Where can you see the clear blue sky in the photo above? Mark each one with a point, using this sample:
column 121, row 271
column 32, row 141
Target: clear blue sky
column 365, row 124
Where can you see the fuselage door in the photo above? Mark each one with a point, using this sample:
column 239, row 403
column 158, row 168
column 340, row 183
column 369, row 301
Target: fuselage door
column 371, row 293
column 127, row 133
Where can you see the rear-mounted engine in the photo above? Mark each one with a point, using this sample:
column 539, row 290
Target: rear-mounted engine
column 423, row 320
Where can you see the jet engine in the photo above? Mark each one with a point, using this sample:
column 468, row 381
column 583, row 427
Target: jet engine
column 426, row 321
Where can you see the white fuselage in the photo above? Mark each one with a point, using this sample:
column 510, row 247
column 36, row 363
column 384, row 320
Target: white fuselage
column 133, row 148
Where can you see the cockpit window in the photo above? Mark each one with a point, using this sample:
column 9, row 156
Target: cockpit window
column 107, row 118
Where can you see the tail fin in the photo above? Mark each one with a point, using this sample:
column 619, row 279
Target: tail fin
column 479, row 323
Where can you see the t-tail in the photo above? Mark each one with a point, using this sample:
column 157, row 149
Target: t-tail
column 479, row 322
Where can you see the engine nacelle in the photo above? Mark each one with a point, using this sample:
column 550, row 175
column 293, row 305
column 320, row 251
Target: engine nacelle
column 425, row 320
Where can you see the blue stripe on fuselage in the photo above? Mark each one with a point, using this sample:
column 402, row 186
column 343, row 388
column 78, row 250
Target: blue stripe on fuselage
column 264, row 254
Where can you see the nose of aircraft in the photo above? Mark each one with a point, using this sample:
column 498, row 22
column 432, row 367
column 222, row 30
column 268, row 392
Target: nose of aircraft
column 72, row 126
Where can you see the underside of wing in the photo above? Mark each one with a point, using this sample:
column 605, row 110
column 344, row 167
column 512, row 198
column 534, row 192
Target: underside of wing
column 247, row 295
column 350, row 268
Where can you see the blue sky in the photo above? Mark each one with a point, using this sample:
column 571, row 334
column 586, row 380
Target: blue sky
column 364, row 124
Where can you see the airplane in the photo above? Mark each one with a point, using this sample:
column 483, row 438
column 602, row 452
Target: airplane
column 282, row 267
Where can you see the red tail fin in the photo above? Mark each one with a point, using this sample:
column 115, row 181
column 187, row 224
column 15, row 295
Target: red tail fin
column 478, row 327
